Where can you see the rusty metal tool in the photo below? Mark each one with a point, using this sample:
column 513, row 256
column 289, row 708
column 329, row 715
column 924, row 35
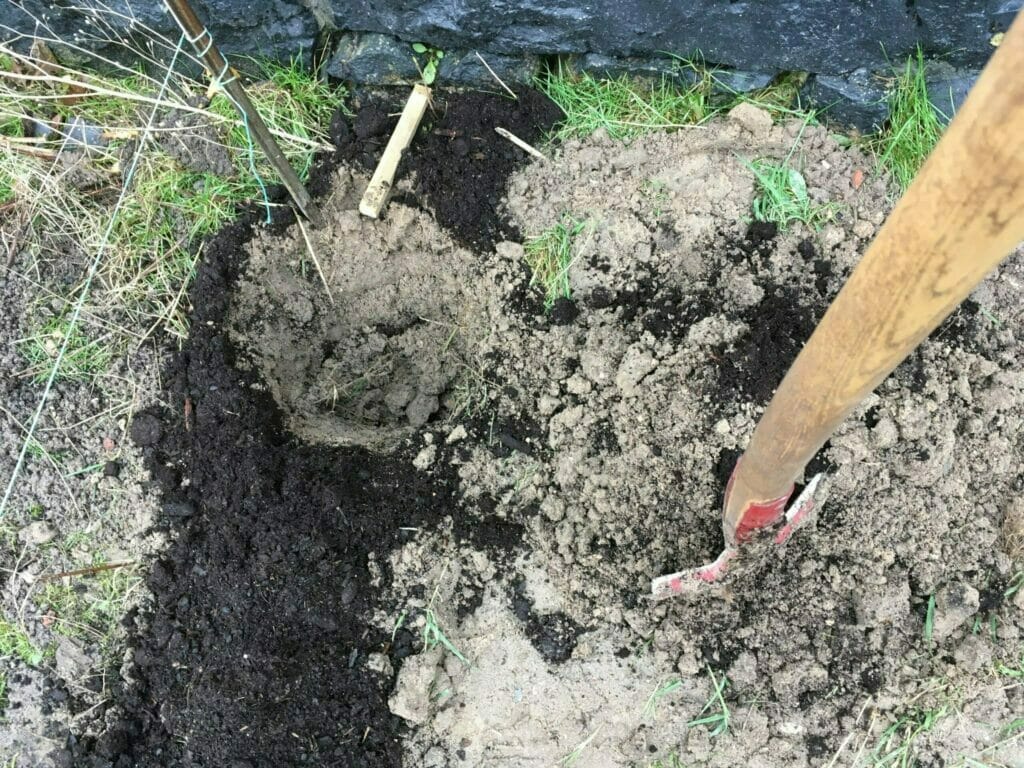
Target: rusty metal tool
column 196, row 33
column 961, row 216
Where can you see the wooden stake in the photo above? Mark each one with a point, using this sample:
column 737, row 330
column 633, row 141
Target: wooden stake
column 207, row 50
column 377, row 192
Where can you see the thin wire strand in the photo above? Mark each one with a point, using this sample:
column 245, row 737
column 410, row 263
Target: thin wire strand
column 93, row 268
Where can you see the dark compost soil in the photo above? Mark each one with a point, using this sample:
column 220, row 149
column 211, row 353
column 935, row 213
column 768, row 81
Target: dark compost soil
column 251, row 647
column 457, row 166
column 254, row 650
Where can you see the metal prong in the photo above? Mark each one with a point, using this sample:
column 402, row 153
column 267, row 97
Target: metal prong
column 694, row 580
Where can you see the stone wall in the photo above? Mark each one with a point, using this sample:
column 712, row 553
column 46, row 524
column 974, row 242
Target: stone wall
column 846, row 45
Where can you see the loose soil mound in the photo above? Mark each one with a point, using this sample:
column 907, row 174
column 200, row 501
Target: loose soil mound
column 687, row 318
column 485, row 579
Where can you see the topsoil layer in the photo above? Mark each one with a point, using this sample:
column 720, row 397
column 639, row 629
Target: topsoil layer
column 482, row 573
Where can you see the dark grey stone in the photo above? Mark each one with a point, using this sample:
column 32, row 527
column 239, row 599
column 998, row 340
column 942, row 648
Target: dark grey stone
column 276, row 29
column 725, row 80
column 74, row 133
column 856, row 99
column 948, row 87
column 511, row 27
column 382, row 59
column 1004, row 13
column 740, row 81
column 599, row 65
column 830, row 36
column 458, row 68
column 960, row 30
column 839, row 41
column 373, row 58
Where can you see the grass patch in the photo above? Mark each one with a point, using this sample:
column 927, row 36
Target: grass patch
column 84, row 358
column 573, row 757
column 150, row 258
column 293, row 103
column 913, row 128
column 15, row 644
column 93, row 613
column 897, row 746
column 782, row 196
column 6, row 189
column 549, row 256
column 1013, row 727
column 1015, row 585
column 1014, row 671
column 471, row 395
column 671, row 761
column 781, row 97
column 663, row 690
column 433, row 636
column 781, row 192
column 626, row 107
column 715, row 714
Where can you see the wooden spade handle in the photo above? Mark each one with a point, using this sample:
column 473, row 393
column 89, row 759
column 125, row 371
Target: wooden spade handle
column 961, row 216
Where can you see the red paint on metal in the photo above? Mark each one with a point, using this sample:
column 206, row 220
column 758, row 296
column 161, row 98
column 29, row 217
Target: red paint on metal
column 759, row 514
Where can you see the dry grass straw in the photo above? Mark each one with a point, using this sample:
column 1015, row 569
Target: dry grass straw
column 56, row 194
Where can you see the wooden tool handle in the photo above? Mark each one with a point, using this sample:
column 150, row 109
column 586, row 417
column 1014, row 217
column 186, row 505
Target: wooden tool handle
column 961, row 216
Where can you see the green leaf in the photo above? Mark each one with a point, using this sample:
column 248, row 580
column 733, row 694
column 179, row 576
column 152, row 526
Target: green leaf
column 798, row 185
column 430, row 72
column 419, row 47
column 439, row 54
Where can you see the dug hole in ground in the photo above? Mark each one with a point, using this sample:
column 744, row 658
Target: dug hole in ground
column 418, row 512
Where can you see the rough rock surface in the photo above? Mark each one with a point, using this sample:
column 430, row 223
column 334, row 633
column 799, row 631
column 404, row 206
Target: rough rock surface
column 848, row 45
column 281, row 29
column 818, row 36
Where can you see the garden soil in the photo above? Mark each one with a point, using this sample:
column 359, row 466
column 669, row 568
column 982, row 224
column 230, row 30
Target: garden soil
column 413, row 516
column 599, row 439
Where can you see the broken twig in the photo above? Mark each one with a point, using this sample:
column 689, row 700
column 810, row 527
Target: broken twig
column 520, row 143
column 495, row 76
column 86, row 571
column 316, row 261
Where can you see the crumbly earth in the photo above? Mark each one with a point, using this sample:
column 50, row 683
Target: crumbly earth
column 80, row 500
column 592, row 445
column 409, row 518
